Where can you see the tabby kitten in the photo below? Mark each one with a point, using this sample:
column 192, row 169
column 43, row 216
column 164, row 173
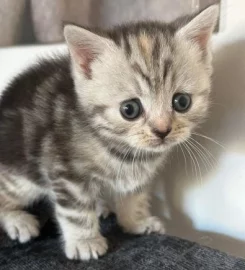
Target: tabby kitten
column 102, row 117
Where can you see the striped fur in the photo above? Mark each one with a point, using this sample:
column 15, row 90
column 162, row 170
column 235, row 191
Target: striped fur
column 62, row 135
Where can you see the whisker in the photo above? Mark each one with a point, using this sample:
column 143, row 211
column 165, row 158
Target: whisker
column 184, row 158
column 208, row 153
column 219, row 104
column 210, row 139
column 198, row 165
column 193, row 157
column 192, row 160
column 133, row 162
column 202, row 156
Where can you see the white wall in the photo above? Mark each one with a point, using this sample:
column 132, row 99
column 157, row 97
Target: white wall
column 15, row 59
column 209, row 207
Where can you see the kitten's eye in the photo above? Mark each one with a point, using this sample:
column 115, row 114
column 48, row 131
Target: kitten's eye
column 181, row 102
column 131, row 109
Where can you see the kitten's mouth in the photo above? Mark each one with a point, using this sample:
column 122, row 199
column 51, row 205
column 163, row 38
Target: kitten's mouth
column 160, row 145
column 159, row 142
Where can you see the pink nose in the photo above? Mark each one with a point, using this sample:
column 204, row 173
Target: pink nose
column 161, row 128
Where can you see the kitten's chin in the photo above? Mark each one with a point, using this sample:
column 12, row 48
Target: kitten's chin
column 159, row 147
column 167, row 144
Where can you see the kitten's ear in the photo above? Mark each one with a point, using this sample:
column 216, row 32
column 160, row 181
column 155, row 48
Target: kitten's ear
column 84, row 47
column 201, row 27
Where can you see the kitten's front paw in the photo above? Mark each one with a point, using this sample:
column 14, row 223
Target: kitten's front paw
column 20, row 226
column 146, row 226
column 86, row 249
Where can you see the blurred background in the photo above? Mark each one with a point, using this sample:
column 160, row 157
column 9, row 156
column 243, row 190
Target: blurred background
column 41, row 21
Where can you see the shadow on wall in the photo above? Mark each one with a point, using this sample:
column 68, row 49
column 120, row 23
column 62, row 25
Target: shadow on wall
column 205, row 203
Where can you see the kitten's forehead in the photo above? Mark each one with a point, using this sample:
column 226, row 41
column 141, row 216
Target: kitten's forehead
column 163, row 62
column 150, row 51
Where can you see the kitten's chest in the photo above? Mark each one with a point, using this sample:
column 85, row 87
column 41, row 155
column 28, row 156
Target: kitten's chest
column 119, row 172
column 130, row 176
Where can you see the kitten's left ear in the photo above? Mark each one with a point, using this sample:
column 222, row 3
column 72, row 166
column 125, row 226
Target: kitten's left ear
column 201, row 27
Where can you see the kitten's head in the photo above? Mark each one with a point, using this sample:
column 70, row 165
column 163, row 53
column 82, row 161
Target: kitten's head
column 145, row 85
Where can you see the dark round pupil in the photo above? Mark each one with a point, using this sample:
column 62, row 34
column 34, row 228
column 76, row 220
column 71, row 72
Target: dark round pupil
column 183, row 101
column 129, row 109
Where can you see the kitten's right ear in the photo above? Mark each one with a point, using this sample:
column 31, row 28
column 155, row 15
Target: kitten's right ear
column 84, row 47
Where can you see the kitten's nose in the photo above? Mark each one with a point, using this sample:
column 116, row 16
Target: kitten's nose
column 162, row 127
column 162, row 133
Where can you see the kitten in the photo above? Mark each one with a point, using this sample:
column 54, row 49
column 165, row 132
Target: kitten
column 103, row 116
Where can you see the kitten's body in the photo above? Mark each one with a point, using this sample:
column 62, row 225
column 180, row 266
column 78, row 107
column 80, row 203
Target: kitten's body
column 45, row 132
column 62, row 136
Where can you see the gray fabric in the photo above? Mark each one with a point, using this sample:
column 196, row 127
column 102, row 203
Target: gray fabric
column 125, row 253
column 42, row 20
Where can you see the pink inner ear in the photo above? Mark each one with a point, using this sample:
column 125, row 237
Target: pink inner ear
column 85, row 58
column 202, row 38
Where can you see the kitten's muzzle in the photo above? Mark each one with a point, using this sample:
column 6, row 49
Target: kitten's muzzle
column 162, row 134
column 161, row 127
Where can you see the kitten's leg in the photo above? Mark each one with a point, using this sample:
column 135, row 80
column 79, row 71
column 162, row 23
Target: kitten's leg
column 17, row 223
column 133, row 213
column 76, row 215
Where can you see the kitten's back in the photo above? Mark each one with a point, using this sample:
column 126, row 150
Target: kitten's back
column 26, row 106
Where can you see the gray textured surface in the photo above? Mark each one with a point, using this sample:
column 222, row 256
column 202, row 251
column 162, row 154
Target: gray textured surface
column 125, row 253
